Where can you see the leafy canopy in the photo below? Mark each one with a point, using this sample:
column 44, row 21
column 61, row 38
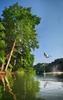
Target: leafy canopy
column 19, row 24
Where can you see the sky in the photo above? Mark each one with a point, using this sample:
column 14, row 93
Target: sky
column 50, row 29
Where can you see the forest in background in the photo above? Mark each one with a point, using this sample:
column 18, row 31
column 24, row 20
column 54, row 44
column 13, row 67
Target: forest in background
column 56, row 65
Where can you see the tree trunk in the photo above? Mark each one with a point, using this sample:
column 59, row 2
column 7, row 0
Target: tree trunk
column 11, row 53
column 2, row 67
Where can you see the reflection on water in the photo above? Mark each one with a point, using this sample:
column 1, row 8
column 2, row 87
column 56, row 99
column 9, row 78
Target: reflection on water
column 51, row 88
column 25, row 88
column 30, row 88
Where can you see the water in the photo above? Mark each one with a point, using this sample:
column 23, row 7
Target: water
column 26, row 87
column 51, row 88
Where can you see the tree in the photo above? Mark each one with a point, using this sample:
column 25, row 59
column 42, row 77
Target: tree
column 20, row 34
column 18, row 38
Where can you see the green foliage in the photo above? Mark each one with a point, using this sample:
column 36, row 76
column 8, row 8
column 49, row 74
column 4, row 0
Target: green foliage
column 49, row 67
column 19, row 24
column 2, row 57
column 2, row 43
column 2, row 36
column 40, row 67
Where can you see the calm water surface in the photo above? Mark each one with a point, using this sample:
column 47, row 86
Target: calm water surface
column 51, row 88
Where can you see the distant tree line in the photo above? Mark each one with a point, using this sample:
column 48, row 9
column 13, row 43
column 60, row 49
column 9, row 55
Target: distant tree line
column 57, row 65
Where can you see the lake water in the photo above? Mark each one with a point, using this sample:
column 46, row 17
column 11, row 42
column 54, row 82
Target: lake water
column 51, row 88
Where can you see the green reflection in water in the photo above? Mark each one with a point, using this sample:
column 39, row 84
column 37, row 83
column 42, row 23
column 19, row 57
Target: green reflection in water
column 24, row 87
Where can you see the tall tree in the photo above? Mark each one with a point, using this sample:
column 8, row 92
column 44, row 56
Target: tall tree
column 18, row 38
column 20, row 35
